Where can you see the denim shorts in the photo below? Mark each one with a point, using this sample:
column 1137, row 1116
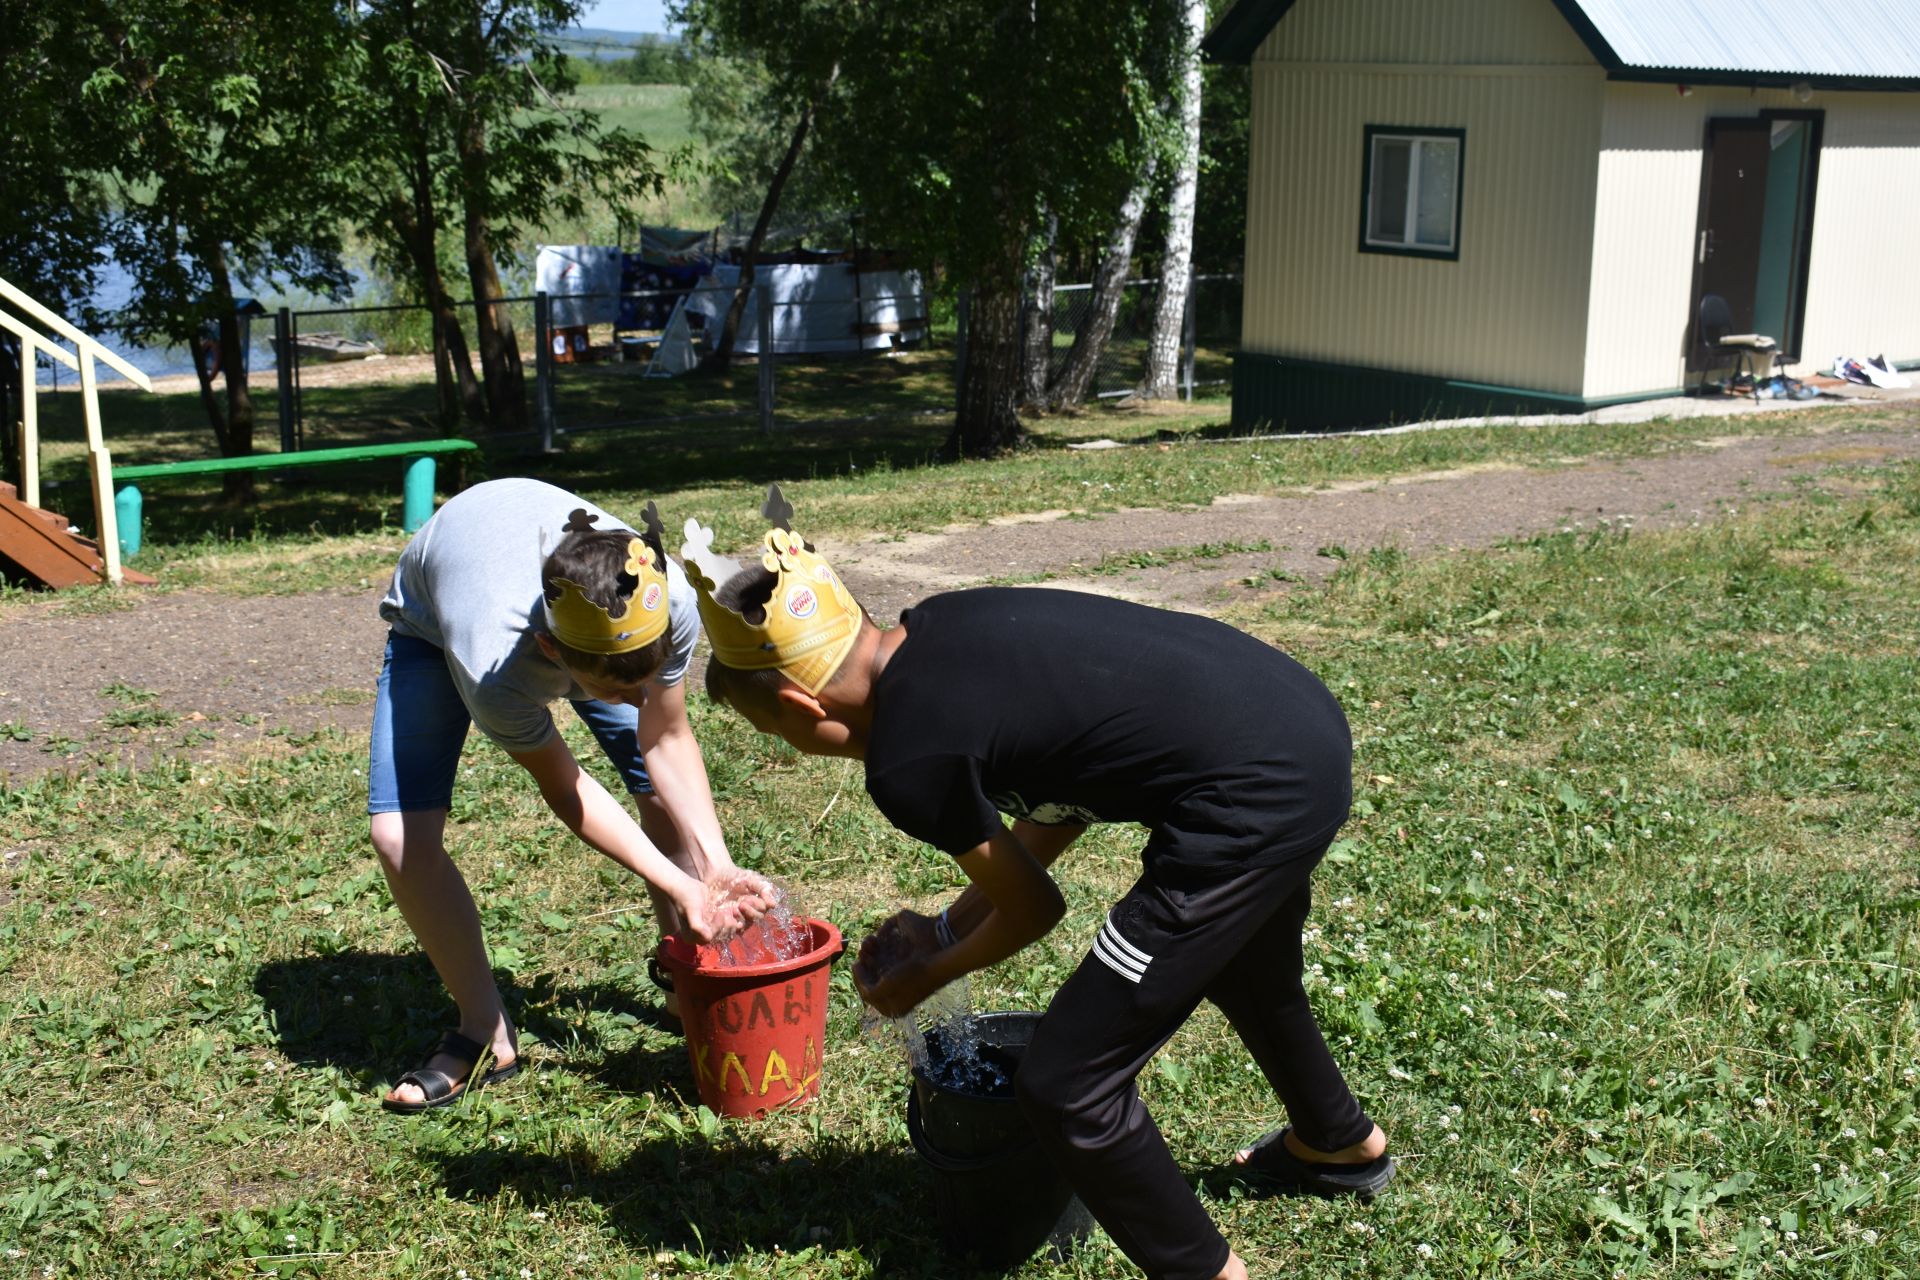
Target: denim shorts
column 420, row 724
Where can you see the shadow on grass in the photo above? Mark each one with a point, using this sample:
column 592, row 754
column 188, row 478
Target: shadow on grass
column 737, row 1194
column 375, row 1015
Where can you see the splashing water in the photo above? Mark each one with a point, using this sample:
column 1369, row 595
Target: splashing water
column 941, row 1042
column 781, row 936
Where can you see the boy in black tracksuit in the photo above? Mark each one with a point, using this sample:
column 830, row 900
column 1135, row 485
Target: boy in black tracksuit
column 1061, row 709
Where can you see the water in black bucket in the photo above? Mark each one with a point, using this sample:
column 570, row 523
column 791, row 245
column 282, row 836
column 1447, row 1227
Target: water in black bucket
column 995, row 1194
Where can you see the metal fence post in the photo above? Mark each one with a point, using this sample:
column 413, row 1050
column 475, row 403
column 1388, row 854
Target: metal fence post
column 293, row 362
column 959, row 347
column 764, row 308
column 1187, row 334
column 543, row 399
column 283, row 373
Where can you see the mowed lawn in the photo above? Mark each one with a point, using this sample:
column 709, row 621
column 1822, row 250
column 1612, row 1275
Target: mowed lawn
column 1619, row 946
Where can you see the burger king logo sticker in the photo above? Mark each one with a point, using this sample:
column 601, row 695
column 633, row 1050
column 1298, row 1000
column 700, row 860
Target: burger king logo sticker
column 801, row 602
column 650, row 599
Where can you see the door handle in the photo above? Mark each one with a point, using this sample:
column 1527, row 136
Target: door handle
column 1706, row 244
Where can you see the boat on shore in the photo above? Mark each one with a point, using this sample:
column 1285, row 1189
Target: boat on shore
column 330, row 348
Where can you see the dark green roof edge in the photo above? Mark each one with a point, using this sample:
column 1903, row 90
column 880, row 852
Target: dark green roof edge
column 1237, row 36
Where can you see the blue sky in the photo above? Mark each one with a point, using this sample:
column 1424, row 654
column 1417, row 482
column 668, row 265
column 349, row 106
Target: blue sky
column 626, row 15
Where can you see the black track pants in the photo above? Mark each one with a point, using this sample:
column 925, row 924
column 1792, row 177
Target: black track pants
column 1160, row 952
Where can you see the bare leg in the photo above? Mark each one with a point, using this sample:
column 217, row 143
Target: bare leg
column 432, row 895
column 659, row 827
column 1234, row 1270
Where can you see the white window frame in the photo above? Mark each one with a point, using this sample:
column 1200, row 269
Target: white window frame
column 1418, row 138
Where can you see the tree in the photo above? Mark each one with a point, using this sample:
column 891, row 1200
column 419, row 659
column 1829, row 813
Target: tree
column 723, row 350
column 957, row 125
column 1075, row 379
column 1176, row 264
column 403, row 112
column 227, row 170
column 476, row 97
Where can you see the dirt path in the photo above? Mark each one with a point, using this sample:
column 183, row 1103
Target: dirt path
column 225, row 673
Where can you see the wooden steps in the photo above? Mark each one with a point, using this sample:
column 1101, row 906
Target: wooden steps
column 38, row 545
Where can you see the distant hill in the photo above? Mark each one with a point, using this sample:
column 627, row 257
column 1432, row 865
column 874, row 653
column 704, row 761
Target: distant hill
column 605, row 45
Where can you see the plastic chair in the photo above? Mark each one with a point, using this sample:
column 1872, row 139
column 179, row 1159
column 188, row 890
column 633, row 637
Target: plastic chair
column 1735, row 351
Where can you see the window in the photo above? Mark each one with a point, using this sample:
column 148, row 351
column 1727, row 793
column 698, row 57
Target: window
column 1410, row 202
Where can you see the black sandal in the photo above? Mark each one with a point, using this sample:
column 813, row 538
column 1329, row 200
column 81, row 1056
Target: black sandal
column 1270, row 1159
column 439, row 1088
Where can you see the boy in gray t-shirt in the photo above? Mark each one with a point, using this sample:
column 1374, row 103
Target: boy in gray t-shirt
column 516, row 594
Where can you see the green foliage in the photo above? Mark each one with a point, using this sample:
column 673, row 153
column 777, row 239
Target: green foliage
column 655, row 59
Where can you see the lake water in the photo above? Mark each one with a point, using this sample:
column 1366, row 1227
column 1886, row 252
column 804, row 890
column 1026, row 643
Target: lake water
column 115, row 289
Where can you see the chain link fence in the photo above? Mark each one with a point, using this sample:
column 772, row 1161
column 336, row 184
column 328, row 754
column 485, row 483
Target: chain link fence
column 355, row 374
column 1210, row 333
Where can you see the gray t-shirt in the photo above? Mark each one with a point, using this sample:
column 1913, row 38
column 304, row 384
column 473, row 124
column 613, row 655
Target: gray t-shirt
column 469, row 582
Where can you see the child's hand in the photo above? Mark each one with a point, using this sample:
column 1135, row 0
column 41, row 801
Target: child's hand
column 891, row 971
column 735, row 899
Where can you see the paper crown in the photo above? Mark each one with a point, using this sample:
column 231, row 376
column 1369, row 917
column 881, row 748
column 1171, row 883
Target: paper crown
column 579, row 623
column 807, row 626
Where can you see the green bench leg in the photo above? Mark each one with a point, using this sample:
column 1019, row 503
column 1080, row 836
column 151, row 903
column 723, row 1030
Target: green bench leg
column 127, row 509
column 416, row 502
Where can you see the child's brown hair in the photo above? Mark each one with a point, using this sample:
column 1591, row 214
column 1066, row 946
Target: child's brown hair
column 595, row 560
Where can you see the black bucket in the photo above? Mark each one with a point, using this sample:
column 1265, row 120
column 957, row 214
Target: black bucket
column 995, row 1193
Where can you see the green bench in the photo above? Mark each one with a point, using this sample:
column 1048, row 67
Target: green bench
column 416, row 489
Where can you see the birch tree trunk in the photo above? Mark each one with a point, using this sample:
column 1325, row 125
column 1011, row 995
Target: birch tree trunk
column 1037, row 340
column 1176, row 266
column 1090, row 343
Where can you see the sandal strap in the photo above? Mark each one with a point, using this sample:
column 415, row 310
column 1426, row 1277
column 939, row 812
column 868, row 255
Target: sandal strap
column 434, row 1085
column 455, row 1045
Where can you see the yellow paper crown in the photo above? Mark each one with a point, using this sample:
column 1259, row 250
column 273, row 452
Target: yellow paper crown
column 808, row 624
column 579, row 623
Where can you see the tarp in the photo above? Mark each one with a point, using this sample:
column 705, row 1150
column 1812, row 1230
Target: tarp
column 674, row 356
column 818, row 307
column 563, row 270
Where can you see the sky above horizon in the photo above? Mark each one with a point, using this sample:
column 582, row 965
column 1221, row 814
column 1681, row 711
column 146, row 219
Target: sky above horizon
column 625, row 15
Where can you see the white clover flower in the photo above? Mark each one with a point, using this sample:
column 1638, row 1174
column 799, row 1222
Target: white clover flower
column 1424, row 1249
column 1870, row 1236
column 1849, row 1132
column 538, row 1215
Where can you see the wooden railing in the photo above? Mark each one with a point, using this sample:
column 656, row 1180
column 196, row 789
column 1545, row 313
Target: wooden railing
column 86, row 350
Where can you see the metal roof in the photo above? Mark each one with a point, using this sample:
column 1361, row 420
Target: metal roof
column 1839, row 44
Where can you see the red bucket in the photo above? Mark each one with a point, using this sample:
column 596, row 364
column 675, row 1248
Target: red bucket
column 755, row 1032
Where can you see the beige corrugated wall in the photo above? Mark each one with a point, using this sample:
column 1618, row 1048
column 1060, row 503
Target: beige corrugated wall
column 1512, row 309
column 1863, row 285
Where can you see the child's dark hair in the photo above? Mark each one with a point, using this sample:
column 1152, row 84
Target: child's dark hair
column 747, row 593
column 595, row 560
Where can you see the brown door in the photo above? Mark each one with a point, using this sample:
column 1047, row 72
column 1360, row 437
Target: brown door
column 1733, row 205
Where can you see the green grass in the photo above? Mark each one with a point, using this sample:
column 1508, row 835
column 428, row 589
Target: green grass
column 859, row 458
column 1619, row 947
